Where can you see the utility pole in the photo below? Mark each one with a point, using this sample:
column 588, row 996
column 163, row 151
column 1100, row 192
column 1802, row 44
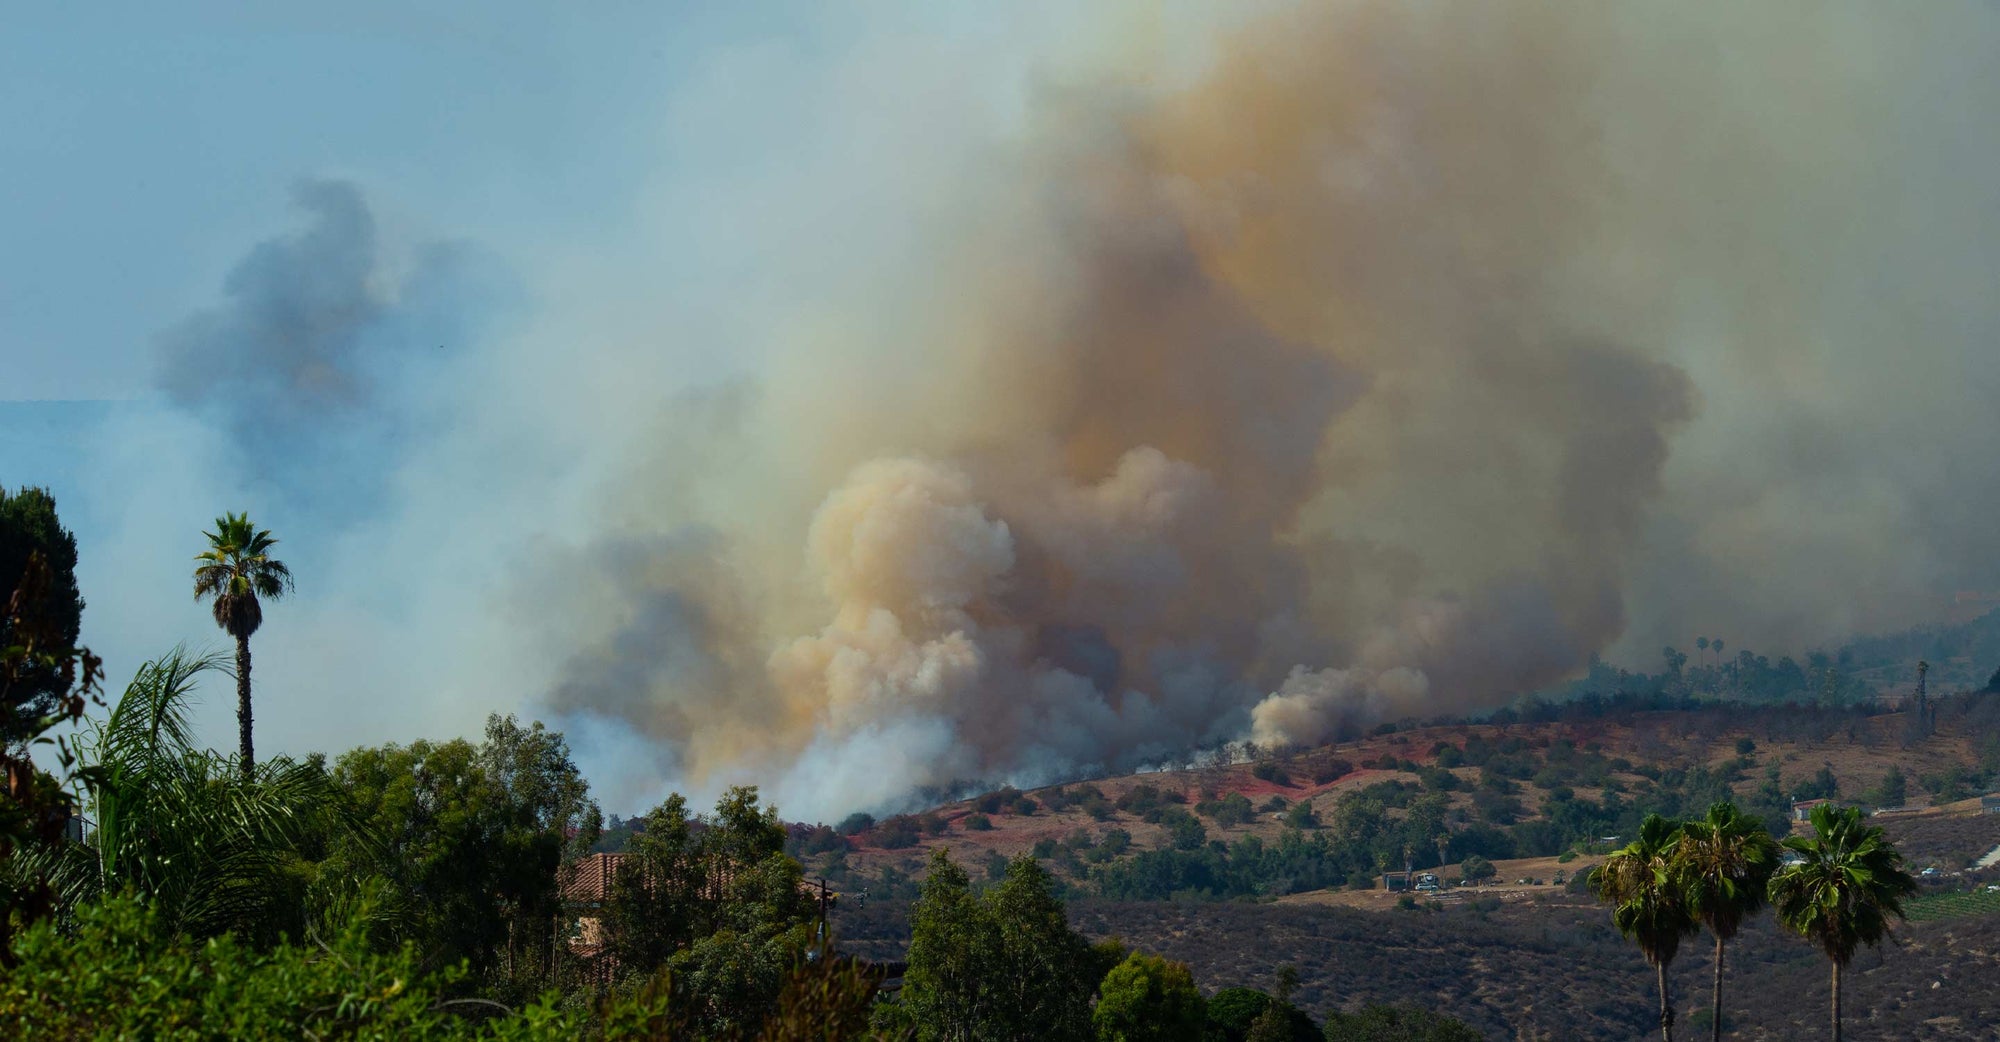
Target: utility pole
column 1924, row 721
column 827, row 898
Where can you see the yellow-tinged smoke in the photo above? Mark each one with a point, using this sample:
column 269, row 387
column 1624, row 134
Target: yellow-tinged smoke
column 1338, row 384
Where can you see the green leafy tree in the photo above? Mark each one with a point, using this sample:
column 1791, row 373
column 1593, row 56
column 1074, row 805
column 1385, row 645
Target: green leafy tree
column 1231, row 1011
column 29, row 528
column 998, row 968
column 34, row 809
column 953, row 945
column 1844, row 891
column 1272, row 1025
column 716, row 904
column 1724, row 861
column 238, row 573
column 1894, row 789
column 1648, row 903
column 1380, row 1023
column 1148, row 999
column 470, row 838
column 1042, row 989
column 1234, row 1013
column 1475, row 868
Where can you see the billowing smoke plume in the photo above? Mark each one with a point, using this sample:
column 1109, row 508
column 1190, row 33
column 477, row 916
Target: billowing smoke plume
column 1246, row 380
column 1270, row 412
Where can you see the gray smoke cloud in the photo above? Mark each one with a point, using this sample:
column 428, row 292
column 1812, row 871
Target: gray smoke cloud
column 1244, row 378
column 1402, row 361
column 316, row 364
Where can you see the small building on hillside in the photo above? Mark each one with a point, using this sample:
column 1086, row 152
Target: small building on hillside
column 1395, row 881
column 1802, row 810
column 1990, row 803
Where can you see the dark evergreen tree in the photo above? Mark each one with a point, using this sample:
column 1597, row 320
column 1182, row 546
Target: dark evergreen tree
column 29, row 526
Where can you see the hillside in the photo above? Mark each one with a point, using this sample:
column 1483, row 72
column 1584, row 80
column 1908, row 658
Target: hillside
column 1551, row 968
column 1522, row 790
column 1522, row 956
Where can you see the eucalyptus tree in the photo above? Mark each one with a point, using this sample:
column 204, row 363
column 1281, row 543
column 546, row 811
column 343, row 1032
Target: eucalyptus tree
column 1842, row 893
column 1649, row 902
column 1724, row 861
column 238, row 573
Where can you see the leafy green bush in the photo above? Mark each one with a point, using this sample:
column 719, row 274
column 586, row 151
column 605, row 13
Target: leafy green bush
column 1233, row 809
column 1331, row 771
column 898, row 833
column 1140, row 799
column 1187, row 833
column 1378, row 1023
column 1148, row 999
column 1437, row 779
column 117, row 978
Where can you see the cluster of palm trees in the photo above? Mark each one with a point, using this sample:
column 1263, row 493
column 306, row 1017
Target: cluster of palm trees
column 1839, row 892
column 1705, row 643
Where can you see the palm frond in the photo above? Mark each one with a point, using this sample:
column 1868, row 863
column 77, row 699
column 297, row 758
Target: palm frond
column 1648, row 902
column 1846, row 888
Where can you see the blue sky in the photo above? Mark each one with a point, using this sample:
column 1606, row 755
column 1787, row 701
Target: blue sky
column 142, row 148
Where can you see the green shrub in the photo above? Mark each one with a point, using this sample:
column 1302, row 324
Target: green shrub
column 1233, row 809
column 1331, row 771
column 898, row 833
column 1378, row 1023
column 1269, row 771
column 1148, row 999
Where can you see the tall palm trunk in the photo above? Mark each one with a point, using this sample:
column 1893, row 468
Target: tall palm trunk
column 243, row 706
column 1667, row 1007
column 1836, row 1002
column 1715, row 1003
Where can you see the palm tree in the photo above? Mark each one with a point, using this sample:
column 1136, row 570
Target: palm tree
column 1648, row 903
column 236, row 570
column 1725, row 863
column 1702, row 643
column 1844, row 891
column 211, row 851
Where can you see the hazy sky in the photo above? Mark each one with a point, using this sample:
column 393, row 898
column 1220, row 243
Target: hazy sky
column 634, row 182
column 855, row 397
